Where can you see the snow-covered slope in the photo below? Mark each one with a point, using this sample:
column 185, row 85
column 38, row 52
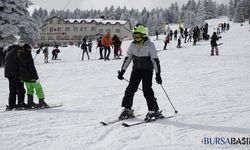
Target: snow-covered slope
column 211, row 94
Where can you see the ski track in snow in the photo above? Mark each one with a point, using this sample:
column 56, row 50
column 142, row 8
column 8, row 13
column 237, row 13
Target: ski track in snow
column 211, row 95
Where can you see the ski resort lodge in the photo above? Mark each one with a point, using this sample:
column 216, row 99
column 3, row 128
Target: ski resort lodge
column 72, row 31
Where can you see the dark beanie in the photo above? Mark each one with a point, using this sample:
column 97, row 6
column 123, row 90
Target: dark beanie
column 26, row 46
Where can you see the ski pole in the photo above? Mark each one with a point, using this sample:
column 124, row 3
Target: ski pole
column 35, row 57
column 128, row 82
column 169, row 99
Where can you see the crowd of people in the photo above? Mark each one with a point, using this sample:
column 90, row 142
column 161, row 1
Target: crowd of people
column 104, row 43
column 197, row 34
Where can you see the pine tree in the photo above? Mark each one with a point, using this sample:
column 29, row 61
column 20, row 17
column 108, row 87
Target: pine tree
column 40, row 16
column 190, row 19
column 238, row 14
column 15, row 20
column 210, row 9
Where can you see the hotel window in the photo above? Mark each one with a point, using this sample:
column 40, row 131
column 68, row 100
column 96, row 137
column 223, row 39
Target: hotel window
column 81, row 29
column 66, row 37
column 50, row 29
column 75, row 29
column 51, row 22
column 85, row 29
column 108, row 30
column 100, row 30
column 44, row 30
column 59, row 29
column 117, row 31
column 93, row 28
column 50, row 38
column 59, row 22
column 58, row 37
column 67, row 29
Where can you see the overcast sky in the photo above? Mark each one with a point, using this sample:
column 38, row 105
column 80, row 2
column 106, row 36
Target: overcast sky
column 101, row 4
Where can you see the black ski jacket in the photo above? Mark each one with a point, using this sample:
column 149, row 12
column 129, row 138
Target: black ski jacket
column 11, row 65
column 27, row 69
column 214, row 40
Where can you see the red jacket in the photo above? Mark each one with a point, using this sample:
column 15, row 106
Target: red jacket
column 107, row 40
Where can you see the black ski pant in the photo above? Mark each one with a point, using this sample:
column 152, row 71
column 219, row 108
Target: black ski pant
column 83, row 52
column 136, row 77
column 100, row 50
column 16, row 87
column 106, row 52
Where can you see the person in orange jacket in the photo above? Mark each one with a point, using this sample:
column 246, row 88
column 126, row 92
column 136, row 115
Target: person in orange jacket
column 106, row 42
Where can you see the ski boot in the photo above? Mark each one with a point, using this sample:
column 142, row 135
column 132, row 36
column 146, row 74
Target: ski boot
column 21, row 106
column 42, row 104
column 126, row 114
column 31, row 104
column 217, row 53
column 153, row 115
column 8, row 108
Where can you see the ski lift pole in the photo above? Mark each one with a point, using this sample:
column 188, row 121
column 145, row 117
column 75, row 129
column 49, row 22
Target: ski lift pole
column 169, row 99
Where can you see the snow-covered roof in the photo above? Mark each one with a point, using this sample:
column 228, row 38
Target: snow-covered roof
column 103, row 21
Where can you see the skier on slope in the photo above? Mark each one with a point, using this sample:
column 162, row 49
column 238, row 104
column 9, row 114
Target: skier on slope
column 144, row 56
column 107, row 43
column 214, row 44
column 84, row 48
column 11, row 71
column 28, row 74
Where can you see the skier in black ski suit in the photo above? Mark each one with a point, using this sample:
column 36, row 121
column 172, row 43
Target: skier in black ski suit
column 84, row 48
column 144, row 56
column 117, row 44
column 11, row 71
column 214, row 44
column 101, row 47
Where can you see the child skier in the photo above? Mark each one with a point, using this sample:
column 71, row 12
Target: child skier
column 144, row 56
column 84, row 48
column 179, row 42
column 214, row 45
column 28, row 74
column 166, row 41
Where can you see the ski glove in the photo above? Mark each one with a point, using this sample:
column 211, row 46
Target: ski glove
column 158, row 78
column 120, row 74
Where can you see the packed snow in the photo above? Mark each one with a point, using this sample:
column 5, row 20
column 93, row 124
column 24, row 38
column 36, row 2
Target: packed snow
column 211, row 95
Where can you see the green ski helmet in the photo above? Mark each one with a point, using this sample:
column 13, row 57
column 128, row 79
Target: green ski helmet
column 140, row 29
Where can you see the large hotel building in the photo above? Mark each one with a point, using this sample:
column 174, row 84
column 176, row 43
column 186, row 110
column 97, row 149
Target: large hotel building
column 71, row 31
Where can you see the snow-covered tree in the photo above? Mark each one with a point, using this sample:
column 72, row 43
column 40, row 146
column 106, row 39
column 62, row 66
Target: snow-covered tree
column 40, row 15
column 201, row 14
column 230, row 11
column 238, row 14
column 210, row 9
column 15, row 20
column 190, row 19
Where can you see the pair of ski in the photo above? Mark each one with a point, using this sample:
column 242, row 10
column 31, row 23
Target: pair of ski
column 39, row 108
column 133, row 124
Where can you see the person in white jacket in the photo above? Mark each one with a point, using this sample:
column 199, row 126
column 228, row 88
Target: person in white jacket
column 144, row 56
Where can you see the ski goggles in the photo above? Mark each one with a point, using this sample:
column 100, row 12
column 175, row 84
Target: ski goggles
column 137, row 36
